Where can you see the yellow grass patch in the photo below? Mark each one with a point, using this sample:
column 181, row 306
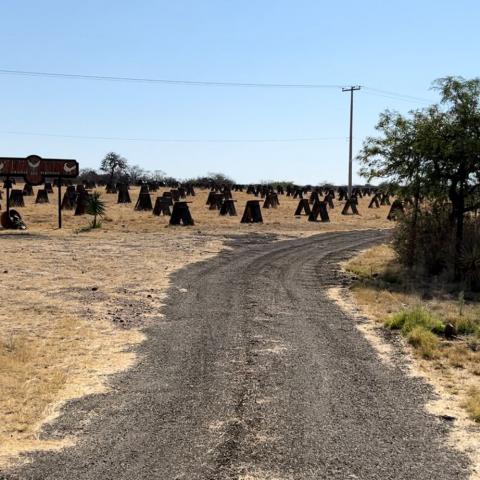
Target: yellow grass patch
column 472, row 403
column 39, row 372
column 371, row 262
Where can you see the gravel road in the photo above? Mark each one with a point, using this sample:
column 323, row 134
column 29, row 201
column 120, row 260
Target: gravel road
column 255, row 374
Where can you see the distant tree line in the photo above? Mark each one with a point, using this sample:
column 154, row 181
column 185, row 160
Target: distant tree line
column 116, row 169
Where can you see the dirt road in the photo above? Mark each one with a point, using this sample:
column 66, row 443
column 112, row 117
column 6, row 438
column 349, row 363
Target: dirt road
column 255, row 374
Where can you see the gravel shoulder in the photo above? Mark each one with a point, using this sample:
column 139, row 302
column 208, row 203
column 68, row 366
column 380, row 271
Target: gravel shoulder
column 255, row 373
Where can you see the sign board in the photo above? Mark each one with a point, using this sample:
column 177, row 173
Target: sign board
column 35, row 169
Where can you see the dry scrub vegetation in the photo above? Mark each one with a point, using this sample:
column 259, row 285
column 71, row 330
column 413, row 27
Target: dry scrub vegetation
column 74, row 304
column 419, row 312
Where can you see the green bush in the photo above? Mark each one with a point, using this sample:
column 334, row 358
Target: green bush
column 424, row 341
column 392, row 276
column 96, row 207
column 465, row 325
column 407, row 320
column 477, row 332
column 430, row 245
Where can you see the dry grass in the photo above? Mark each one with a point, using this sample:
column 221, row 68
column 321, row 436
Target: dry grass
column 472, row 403
column 424, row 341
column 39, row 372
column 372, row 262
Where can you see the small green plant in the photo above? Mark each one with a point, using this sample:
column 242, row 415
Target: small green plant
column 465, row 325
column 407, row 320
column 424, row 341
column 96, row 208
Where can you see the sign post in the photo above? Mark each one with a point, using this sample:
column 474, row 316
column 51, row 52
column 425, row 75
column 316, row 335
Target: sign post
column 34, row 170
column 59, row 202
column 8, row 186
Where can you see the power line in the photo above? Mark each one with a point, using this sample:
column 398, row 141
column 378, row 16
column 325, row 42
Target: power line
column 396, row 96
column 174, row 140
column 74, row 76
column 201, row 83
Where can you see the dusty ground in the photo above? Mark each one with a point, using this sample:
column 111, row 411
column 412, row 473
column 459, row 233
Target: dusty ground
column 454, row 369
column 72, row 307
column 74, row 304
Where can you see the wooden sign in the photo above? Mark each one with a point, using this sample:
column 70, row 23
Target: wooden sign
column 35, row 169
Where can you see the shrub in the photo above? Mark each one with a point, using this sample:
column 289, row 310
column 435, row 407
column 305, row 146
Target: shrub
column 424, row 341
column 392, row 276
column 429, row 246
column 432, row 243
column 473, row 404
column 465, row 325
column 477, row 332
column 470, row 258
column 96, row 208
column 407, row 320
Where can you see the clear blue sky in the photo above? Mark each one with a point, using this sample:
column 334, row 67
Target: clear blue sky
column 394, row 46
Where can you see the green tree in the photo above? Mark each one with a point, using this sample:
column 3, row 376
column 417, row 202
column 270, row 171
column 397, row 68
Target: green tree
column 434, row 152
column 397, row 156
column 451, row 141
column 95, row 207
column 113, row 164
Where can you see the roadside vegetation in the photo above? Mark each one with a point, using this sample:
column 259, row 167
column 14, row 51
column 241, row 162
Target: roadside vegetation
column 426, row 283
column 440, row 323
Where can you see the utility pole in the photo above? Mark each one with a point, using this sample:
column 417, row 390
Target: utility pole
column 350, row 153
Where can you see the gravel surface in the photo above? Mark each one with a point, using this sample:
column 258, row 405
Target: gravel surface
column 255, row 374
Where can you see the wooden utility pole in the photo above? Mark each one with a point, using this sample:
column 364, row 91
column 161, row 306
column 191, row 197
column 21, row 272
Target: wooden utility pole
column 350, row 154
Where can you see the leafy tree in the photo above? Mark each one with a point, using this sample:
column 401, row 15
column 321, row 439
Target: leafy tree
column 433, row 153
column 451, row 141
column 113, row 164
column 398, row 156
column 95, row 207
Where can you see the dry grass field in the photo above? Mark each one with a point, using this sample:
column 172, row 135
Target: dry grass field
column 74, row 302
column 123, row 218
